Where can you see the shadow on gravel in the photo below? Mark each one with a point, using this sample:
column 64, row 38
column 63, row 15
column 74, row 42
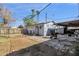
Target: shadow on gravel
column 41, row 49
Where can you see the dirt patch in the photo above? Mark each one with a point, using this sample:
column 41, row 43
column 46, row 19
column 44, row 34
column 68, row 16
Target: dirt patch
column 18, row 42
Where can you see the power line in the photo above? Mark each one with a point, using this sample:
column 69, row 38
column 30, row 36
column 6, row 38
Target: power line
column 41, row 10
column 45, row 7
column 46, row 16
column 68, row 18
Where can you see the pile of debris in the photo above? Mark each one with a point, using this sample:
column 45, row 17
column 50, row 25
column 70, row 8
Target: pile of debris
column 64, row 44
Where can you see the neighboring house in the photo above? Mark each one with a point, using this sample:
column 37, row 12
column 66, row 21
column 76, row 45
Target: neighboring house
column 44, row 28
column 41, row 29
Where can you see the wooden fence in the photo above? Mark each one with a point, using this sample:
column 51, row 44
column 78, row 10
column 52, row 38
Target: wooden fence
column 10, row 31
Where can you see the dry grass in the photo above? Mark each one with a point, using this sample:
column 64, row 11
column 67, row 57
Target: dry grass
column 17, row 42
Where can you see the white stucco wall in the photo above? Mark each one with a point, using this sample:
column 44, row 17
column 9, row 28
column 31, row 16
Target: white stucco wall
column 48, row 26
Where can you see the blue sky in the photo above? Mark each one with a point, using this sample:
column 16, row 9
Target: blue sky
column 56, row 12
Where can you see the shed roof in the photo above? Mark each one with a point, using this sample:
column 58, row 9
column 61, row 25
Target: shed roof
column 73, row 23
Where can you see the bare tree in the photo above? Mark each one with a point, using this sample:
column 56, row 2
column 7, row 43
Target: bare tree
column 5, row 14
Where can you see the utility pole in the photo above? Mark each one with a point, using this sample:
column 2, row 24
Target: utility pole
column 37, row 15
column 78, row 10
column 46, row 17
column 33, row 13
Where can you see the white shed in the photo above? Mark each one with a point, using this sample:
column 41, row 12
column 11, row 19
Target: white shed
column 43, row 28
